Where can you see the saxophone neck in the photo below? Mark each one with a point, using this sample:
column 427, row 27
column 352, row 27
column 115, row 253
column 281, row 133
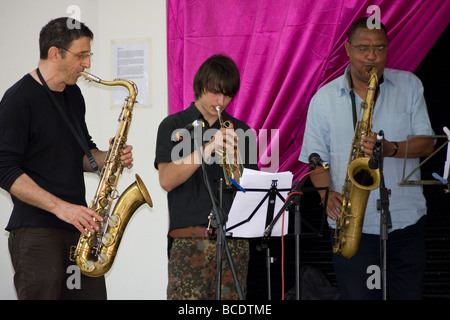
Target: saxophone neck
column 130, row 85
column 373, row 80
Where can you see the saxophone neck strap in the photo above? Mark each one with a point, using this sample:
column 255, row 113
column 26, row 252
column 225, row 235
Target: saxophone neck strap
column 352, row 96
column 78, row 135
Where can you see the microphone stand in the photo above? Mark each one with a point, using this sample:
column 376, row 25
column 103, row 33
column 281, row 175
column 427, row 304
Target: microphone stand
column 385, row 218
column 219, row 245
column 221, row 239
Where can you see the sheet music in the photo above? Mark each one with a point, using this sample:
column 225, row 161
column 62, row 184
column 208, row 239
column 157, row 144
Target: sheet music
column 246, row 202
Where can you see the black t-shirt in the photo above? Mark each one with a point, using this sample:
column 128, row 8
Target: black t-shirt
column 190, row 203
column 34, row 139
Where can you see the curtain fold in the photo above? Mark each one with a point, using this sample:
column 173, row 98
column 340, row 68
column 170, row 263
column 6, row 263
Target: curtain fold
column 286, row 50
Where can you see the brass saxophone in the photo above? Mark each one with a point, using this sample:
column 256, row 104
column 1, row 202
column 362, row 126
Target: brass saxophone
column 359, row 181
column 95, row 252
column 228, row 164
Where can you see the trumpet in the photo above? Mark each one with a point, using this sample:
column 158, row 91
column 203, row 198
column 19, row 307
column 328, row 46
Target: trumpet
column 231, row 164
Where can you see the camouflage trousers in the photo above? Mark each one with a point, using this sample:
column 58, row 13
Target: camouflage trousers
column 193, row 268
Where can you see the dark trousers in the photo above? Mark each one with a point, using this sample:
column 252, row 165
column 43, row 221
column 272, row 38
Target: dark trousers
column 40, row 258
column 359, row 278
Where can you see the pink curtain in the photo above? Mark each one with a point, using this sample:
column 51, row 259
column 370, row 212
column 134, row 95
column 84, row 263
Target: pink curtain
column 285, row 50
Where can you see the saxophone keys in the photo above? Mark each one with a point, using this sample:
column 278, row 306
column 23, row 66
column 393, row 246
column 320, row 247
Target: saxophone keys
column 87, row 265
column 92, row 242
column 114, row 221
column 103, row 202
column 102, row 258
column 112, row 179
column 115, row 166
column 101, row 211
column 108, row 190
column 73, row 253
column 108, row 239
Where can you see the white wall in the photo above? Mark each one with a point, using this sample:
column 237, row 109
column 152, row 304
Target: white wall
column 140, row 269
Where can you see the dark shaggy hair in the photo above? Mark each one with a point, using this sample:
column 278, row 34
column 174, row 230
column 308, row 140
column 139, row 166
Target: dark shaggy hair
column 218, row 74
column 60, row 33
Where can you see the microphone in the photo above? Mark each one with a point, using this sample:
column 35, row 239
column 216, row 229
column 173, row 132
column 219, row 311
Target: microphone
column 315, row 160
column 176, row 137
column 373, row 161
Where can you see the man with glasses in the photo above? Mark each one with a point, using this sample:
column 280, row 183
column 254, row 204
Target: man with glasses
column 400, row 110
column 42, row 165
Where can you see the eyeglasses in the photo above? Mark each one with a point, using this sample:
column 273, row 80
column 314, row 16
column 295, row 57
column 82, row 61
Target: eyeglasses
column 363, row 49
column 81, row 56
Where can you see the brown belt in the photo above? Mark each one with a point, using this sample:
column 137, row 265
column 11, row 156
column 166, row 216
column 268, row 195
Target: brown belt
column 191, row 232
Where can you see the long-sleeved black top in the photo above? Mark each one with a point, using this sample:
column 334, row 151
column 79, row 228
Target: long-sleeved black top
column 35, row 140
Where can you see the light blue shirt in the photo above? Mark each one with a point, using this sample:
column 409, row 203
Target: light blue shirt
column 399, row 111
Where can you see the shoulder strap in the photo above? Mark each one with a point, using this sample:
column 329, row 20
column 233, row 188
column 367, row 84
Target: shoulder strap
column 76, row 134
column 352, row 96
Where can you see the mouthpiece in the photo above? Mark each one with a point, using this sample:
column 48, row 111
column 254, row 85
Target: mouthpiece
column 371, row 69
column 90, row 77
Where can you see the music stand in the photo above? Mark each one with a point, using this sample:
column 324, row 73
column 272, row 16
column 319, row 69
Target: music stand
column 406, row 181
column 293, row 198
column 270, row 196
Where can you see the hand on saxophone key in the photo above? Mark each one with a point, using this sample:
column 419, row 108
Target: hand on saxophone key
column 127, row 157
column 334, row 205
column 367, row 144
column 79, row 216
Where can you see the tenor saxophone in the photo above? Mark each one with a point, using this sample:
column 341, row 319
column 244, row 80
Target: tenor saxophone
column 95, row 252
column 359, row 181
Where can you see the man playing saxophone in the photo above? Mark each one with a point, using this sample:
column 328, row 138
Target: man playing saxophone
column 192, row 261
column 400, row 110
column 42, row 165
